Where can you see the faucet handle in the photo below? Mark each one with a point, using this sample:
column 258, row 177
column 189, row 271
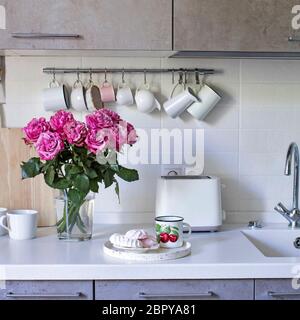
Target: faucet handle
column 281, row 208
column 255, row 224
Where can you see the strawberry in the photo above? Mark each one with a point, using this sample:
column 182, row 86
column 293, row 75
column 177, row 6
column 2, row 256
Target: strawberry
column 164, row 237
column 173, row 237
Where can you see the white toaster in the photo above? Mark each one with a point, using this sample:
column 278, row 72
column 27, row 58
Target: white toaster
column 195, row 198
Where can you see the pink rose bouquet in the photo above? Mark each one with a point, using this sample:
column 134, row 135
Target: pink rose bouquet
column 67, row 152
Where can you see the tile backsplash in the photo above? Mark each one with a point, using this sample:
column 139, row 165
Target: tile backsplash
column 246, row 135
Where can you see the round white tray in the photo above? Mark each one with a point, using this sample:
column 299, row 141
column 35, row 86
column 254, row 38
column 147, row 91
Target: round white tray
column 153, row 255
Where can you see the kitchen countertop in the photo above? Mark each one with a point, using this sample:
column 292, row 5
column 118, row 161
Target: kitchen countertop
column 226, row 254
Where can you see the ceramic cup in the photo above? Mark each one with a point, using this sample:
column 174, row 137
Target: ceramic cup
column 20, row 224
column 56, row 97
column 107, row 92
column 176, row 105
column 208, row 98
column 2, row 213
column 145, row 100
column 93, row 97
column 169, row 231
column 78, row 101
column 124, row 95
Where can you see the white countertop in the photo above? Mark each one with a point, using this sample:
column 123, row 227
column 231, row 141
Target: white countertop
column 222, row 255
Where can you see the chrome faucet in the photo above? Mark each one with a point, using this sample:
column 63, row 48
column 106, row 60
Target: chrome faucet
column 293, row 215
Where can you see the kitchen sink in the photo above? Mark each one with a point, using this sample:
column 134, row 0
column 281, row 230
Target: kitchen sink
column 275, row 243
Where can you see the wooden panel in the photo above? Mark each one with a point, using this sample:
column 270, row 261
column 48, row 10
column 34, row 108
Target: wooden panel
column 131, row 289
column 16, row 193
column 102, row 24
column 234, row 25
column 48, row 290
column 281, row 288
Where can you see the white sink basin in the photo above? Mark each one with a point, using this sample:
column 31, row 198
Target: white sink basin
column 274, row 243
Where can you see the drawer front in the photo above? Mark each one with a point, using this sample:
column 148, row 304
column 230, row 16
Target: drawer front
column 47, row 290
column 174, row 289
column 276, row 289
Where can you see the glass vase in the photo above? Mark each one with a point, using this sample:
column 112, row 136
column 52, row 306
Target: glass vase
column 75, row 222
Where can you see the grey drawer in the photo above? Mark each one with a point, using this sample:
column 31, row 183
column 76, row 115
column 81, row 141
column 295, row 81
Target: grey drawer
column 47, row 290
column 174, row 289
column 275, row 289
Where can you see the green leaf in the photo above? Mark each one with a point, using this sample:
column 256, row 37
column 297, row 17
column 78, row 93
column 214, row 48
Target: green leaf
column 61, row 183
column 166, row 229
column 49, row 176
column 117, row 189
column 31, row 168
column 108, row 178
column 173, row 227
column 72, row 169
column 174, row 232
column 128, row 174
column 157, row 228
column 75, row 196
column 82, row 183
column 114, row 167
column 94, row 185
column 91, row 173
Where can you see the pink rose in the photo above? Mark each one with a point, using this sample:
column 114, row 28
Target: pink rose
column 48, row 145
column 34, row 129
column 97, row 140
column 119, row 136
column 98, row 120
column 113, row 115
column 59, row 120
column 75, row 132
column 132, row 136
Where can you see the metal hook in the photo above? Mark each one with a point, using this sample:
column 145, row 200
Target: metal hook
column 173, row 76
column 78, row 75
column 145, row 76
column 185, row 78
column 105, row 75
column 197, row 77
column 91, row 76
column 54, row 75
column 123, row 75
column 180, row 80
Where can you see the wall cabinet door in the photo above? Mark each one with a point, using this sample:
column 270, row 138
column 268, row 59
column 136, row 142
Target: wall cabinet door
column 276, row 289
column 174, row 289
column 235, row 25
column 47, row 290
column 89, row 24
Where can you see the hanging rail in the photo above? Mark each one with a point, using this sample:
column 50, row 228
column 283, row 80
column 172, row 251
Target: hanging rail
column 130, row 70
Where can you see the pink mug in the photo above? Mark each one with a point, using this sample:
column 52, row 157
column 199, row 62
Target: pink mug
column 107, row 92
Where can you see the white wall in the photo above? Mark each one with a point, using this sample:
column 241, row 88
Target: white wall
column 246, row 136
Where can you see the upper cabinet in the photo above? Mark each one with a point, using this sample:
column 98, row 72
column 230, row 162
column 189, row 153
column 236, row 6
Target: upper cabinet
column 237, row 25
column 88, row 24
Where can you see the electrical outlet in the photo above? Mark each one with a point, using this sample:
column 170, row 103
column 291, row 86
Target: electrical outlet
column 174, row 171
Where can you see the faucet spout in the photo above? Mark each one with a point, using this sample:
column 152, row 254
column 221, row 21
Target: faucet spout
column 293, row 151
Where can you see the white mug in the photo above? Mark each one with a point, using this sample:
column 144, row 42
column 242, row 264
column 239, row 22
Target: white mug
column 78, row 97
column 175, row 106
column 208, row 99
column 20, row 224
column 124, row 95
column 169, row 231
column 56, row 97
column 2, row 213
column 145, row 100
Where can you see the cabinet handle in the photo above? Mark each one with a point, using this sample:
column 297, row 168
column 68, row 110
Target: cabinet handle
column 45, row 36
column 38, row 295
column 292, row 39
column 282, row 294
column 176, row 295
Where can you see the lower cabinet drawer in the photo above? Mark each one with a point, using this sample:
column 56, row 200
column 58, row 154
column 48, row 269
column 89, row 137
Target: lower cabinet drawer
column 174, row 289
column 276, row 289
column 47, row 290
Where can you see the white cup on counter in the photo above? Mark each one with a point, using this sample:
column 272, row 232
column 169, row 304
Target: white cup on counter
column 20, row 224
column 208, row 99
column 3, row 212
